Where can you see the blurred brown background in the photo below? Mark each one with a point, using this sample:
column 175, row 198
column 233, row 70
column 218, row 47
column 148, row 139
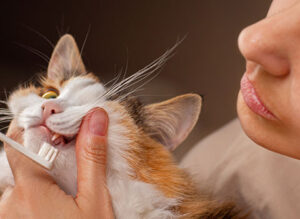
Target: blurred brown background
column 207, row 62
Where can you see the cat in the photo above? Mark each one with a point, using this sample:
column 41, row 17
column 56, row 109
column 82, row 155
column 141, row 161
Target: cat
column 142, row 177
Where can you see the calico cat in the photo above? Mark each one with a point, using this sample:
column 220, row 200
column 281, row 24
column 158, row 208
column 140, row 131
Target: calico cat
column 142, row 177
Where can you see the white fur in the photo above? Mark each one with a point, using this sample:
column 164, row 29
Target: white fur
column 130, row 198
column 6, row 177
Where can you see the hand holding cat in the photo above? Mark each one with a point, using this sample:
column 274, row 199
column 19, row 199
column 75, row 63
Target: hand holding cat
column 36, row 195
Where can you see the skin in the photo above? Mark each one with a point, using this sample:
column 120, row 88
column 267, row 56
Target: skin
column 24, row 200
column 271, row 48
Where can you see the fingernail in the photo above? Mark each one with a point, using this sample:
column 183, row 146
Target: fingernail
column 98, row 122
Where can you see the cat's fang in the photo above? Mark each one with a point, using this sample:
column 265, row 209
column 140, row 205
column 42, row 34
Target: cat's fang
column 55, row 137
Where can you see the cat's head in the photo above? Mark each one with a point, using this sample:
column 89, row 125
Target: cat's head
column 54, row 110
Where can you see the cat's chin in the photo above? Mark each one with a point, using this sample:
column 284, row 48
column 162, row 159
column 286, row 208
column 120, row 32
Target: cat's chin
column 34, row 137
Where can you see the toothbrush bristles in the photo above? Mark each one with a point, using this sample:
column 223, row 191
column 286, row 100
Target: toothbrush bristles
column 54, row 155
column 48, row 152
column 44, row 150
column 45, row 156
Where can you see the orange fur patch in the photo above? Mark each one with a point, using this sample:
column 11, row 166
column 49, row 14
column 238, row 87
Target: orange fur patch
column 153, row 164
column 24, row 91
column 59, row 84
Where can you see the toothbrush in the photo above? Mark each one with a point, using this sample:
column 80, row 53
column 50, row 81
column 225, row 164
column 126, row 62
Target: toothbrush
column 45, row 157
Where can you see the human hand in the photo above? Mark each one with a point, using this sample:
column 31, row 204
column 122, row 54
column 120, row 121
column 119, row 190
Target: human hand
column 36, row 195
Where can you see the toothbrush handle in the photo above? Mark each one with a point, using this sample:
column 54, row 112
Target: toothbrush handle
column 24, row 151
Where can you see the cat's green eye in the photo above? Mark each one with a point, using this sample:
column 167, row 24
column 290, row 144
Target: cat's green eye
column 50, row 95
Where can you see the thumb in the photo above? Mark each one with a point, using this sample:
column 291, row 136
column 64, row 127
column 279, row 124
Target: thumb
column 22, row 167
column 91, row 154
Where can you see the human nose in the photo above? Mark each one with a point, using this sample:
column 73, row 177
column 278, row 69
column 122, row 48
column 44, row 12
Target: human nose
column 280, row 5
column 50, row 108
column 264, row 44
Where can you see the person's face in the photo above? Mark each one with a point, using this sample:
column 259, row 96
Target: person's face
column 269, row 99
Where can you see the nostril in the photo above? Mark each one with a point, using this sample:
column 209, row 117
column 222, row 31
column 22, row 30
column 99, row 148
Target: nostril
column 50, row 108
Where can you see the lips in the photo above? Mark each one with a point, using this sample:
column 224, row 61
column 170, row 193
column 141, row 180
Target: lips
column 253, row 101
column 57, row 139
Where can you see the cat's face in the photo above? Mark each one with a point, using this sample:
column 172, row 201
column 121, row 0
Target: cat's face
column 55, row 120
column 53, row 111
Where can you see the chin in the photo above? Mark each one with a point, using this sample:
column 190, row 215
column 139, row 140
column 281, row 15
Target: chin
column 34, row 138
column 266, row 133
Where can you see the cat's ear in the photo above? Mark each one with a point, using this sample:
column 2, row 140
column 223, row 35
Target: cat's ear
column 66, row 60
column 171, row 121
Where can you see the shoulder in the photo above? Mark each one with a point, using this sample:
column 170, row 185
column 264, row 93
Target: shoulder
column 233, row 166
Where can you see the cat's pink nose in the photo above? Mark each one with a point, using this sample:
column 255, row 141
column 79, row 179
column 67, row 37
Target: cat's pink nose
column 50, row 108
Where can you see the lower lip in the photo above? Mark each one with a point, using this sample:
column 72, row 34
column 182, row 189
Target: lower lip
column 253, row 101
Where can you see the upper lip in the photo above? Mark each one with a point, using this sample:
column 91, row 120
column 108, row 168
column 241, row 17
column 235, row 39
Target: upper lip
column 250, row 88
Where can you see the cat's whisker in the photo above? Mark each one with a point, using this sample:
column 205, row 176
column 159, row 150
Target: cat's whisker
column 4, row 109
column 146, row 82
column 4, row 128
column 5, row 114
column 141, row 74
column 5, row 121
column 138, row 88
column 83, row 45
column 2, row 101
column 129, row 82
column 114, row 80
column 35, row 51
column 124, row 82
column 126, row 66
column 40, row 34
column 6, row 96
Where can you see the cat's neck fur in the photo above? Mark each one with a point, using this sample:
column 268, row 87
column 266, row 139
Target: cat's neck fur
column 142, row 178
column 143, row 175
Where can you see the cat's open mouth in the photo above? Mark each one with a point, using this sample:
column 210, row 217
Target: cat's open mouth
column 57, row 139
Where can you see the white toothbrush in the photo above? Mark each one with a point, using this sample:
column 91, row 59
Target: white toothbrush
column 45, row 157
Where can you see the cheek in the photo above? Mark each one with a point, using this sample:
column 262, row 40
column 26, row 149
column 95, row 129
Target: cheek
column 18, row 104
column 31, row 116
column 291, row 108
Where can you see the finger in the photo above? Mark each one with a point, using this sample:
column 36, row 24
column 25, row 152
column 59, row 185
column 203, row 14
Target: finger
column 91, row 160
column 22, row 167
column 91, row 150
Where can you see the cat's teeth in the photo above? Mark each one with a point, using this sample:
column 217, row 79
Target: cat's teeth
column 55, row 136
